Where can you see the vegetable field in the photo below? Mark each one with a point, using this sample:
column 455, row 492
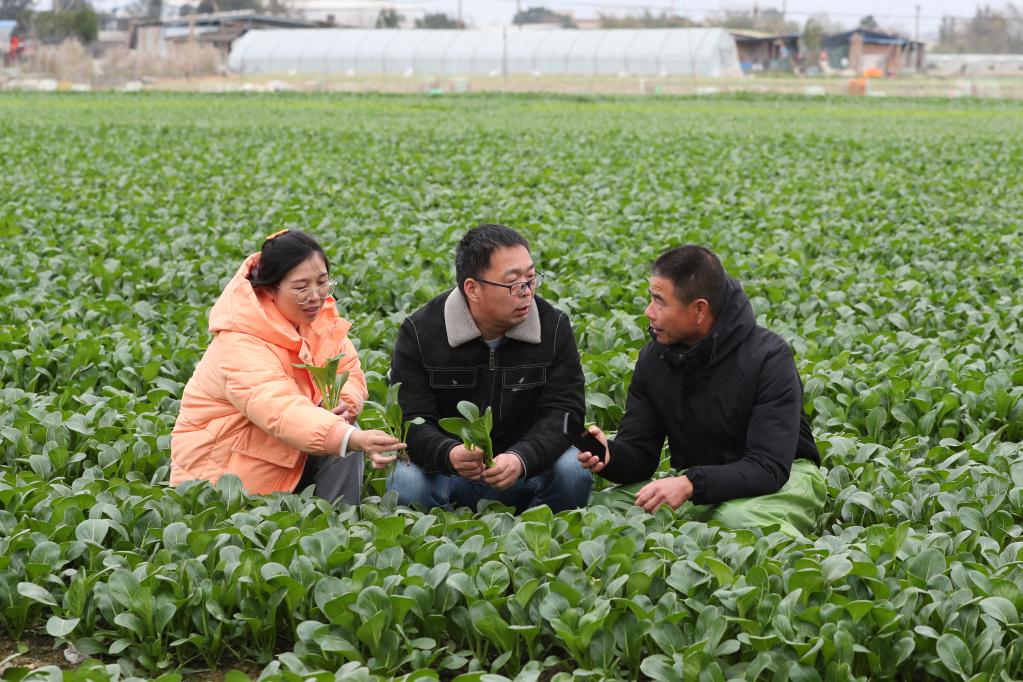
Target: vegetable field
column 883, row 239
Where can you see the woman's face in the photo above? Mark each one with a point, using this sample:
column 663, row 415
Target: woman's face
column 299, row 296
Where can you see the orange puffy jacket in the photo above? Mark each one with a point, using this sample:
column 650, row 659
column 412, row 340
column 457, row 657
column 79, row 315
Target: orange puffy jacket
column 246, row 410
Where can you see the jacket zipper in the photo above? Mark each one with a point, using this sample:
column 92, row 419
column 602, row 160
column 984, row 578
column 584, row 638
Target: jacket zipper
column 493, row 376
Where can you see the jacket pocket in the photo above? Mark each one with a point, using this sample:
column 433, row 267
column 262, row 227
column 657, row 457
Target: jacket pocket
column 452, row 378
column 522, row 378
column 255, row 443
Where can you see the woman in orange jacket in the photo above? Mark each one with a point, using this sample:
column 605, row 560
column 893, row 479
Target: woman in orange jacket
column 248, row 411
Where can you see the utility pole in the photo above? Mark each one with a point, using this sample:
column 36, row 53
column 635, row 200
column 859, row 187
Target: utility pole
column 916, row 33
column 460, row 23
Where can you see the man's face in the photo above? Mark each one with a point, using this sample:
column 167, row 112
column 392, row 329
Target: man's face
column 672, row 321
column 496, row 305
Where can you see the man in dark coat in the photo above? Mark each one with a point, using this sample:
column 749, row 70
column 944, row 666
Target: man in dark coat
column 726, row 394
column 492, row 342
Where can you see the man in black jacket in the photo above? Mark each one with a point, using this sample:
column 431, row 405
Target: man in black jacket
column 490, row 341
column 727, row 395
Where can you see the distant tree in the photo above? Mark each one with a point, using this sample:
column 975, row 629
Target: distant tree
column 11, row 10
column 994, row 31
column 438, row 20
column 211, row 6
column 56, row 27
column 869, row 23
column 947, row 36
column 813, row 38
column 278, row 7
column 645, row 20
column 732, row 18
column 389, row 18
column 774, row 21
column 542, row 15
column 147, row 9
column 768, row 20
column 60, row 6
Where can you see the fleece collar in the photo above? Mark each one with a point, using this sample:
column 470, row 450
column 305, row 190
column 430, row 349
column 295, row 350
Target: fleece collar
column 461, row 328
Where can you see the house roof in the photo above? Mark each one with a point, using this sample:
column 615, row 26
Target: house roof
column 869, row 37
column 761, row 35
column 241, row 16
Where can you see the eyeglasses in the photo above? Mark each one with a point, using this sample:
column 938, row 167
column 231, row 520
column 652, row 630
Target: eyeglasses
column 305, row 295
column 518, row 288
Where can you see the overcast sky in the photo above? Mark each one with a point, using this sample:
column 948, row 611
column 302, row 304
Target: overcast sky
column 889, row 13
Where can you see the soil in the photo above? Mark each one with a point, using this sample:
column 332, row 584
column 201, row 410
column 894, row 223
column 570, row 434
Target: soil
column 39, row 652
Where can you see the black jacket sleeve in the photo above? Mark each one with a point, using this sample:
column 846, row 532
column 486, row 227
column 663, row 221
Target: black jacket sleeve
column 564, row 391
column 771, row 438
column 428, row 444
column 636, row 449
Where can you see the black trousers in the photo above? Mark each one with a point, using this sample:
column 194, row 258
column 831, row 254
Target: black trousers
column 334, row 478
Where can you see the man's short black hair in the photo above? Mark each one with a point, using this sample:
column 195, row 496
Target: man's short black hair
column 694, row 272
column 473, row 253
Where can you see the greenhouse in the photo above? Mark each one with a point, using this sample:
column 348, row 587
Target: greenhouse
column 703, row 52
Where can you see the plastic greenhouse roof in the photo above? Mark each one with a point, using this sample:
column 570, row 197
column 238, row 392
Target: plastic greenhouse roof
column 683, row 51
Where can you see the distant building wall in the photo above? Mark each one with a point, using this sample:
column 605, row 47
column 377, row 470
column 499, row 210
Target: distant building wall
column 974, row 64
column 861, row 50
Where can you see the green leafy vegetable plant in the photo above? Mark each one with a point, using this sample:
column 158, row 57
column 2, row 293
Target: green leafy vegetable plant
column 327, row 379
column 474, row 429
column 899, row 298
column 388, row 417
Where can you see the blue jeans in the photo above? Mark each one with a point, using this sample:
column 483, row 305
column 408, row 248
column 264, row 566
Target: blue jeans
column 566, row 485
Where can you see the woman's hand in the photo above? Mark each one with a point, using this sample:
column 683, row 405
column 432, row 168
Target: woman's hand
column 373, row 442
column 381, row 461
column 343, row 411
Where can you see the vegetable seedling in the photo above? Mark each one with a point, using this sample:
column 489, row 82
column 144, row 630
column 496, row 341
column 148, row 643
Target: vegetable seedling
column 388, row 418
column 327, row 380
column 473, row 429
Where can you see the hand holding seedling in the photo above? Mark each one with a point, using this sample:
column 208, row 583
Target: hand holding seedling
column 468, row 463
column 381, row 461
column 506, row 470
column 473, row 428
column 343, row 411
column 373, row 442
column 388, row 416
column 591, row 462
column 327, row 380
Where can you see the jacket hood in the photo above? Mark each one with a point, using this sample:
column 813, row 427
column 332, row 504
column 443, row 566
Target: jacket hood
column 241, row 308
column 734, row 323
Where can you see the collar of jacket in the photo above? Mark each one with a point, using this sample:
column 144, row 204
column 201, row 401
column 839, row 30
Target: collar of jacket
column 682, row 356
column 461, row 328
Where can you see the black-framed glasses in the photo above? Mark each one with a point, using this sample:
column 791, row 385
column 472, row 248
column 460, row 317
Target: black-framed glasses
column 518, row 288
column 305, row 295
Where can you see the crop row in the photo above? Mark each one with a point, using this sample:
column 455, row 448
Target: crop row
column 882, row 239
